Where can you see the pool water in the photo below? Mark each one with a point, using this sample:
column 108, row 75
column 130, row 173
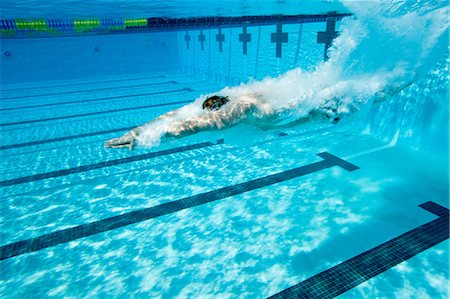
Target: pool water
column 256, row 233
column 270, row 238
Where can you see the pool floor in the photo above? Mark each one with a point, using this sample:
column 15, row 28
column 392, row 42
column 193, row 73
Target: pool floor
column 239, row 212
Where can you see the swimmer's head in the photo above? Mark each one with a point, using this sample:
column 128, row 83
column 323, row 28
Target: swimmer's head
column 214, row 102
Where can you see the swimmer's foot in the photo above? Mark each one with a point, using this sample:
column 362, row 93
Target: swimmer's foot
column 117, row 143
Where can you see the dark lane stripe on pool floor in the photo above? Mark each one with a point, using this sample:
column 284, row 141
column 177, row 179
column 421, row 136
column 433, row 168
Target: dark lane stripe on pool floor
column 86, row 90
column 37, row 142
column 97, row 113
column 31, row 143
column 347, row 275
column 78, row 169
column 97, row 99
column 84, row 83
column 77, row 232
column 58, row 139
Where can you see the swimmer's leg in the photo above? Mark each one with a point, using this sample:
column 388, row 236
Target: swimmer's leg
column 382, row 95
column 129, row 140
column 126, row 141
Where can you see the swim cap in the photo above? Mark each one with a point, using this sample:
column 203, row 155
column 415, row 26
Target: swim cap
column 215, row 102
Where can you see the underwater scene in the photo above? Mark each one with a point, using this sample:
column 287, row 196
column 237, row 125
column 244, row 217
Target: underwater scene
column 224, row 149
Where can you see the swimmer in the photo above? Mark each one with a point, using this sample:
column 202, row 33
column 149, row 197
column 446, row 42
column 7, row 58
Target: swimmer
column 216, row 112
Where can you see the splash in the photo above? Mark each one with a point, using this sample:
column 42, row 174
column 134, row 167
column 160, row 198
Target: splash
column 384, row 48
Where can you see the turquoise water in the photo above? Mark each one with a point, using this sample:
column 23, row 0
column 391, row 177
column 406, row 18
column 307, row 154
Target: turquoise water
column 391, row 80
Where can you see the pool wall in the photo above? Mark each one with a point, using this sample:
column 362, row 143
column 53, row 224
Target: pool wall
column 416, row 117
column 233, row 63
column 231, row 50
column 46, row 59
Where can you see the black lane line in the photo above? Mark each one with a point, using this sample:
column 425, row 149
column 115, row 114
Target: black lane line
column 86, row 90
column 347, row 275
column 77, row 232
column 58, row 139
column 78, row 169
column 31, row 143
column 172, row 162
column 77, row 84
column 93, row 113
column 95, row 100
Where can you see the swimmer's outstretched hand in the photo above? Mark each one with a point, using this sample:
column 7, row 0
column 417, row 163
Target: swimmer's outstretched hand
column 119, row 143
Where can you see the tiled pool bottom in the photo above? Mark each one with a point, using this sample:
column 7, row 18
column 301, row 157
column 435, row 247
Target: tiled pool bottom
column 259, row 234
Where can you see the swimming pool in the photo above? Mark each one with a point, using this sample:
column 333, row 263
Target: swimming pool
column 353, row 209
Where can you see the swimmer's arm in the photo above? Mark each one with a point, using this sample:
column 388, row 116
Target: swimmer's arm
column 129, row 139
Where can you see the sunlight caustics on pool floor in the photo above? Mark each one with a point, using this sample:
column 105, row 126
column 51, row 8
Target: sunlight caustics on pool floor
column 353, row 272
column 277, row 167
